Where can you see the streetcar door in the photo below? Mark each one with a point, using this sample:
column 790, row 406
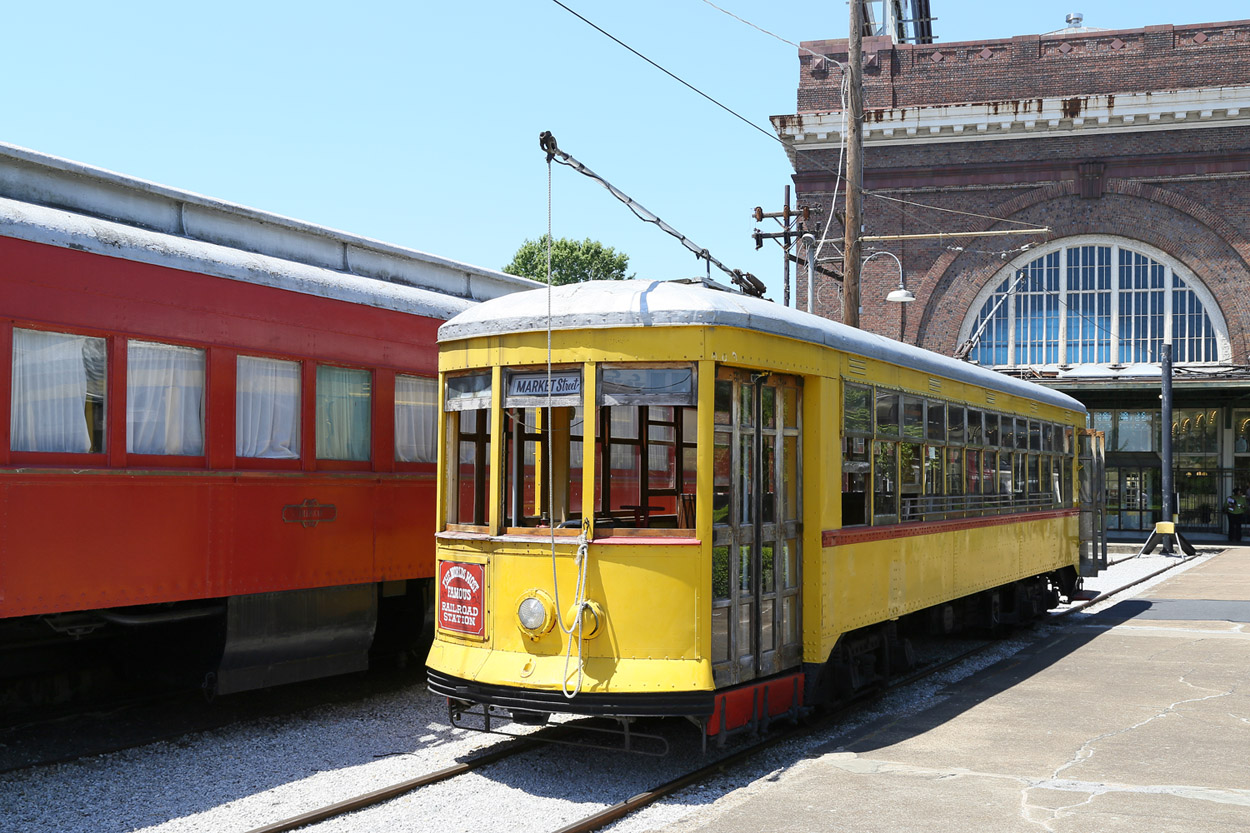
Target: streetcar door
column 755, row 536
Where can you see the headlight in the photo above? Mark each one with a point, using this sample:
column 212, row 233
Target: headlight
column 532, row 613
column 535, row 613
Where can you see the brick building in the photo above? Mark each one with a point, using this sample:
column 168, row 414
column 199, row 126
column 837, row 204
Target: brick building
column 1133, row 148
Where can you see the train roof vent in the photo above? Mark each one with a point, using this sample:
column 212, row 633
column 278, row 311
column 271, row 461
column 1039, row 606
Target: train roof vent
column 935, row 385
column 857, row 366
column 989, row 397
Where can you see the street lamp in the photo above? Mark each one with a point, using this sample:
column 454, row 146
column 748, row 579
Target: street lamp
column 902, row 295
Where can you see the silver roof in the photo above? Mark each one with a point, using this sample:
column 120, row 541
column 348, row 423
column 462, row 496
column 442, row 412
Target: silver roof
column 602, row 304
column 45, row 198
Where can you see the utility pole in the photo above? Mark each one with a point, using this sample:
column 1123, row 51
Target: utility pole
column 854, row 170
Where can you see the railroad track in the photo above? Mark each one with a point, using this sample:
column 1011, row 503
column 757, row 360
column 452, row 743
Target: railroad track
column 712, row 769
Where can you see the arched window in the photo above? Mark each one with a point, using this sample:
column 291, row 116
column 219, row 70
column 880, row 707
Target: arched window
column 1093, row 300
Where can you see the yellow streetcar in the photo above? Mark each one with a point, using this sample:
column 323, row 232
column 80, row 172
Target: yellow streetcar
column 661, row 499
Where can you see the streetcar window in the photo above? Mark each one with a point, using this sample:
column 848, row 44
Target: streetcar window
column 58, row 392
column 885, row 483
column 975, row 434
column 955, row 432
column 975, row 475
column 856, row 408
column 913, row 417
column 991, row 430
column 887, row 413
column 164, row 399
column 646, row 446
column 467, row 400
column 1035, row 435
column 416, row 419
column 1022, row 433
column 937, row 422
column 954, row 471
column 344, row 400
column 911, row 479
column 543, row 466
column 267, row 408
column 856, row 469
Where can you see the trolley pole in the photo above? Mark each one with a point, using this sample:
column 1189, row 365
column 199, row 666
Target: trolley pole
column 854, row 171
column 785, row 257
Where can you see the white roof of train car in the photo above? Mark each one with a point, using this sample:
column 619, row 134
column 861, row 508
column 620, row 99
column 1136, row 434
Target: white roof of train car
column 603, row 304
column 50, row 200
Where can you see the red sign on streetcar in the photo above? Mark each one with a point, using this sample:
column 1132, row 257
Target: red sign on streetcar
column 461, row 597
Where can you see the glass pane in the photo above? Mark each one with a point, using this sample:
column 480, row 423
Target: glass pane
column 955, row 425
column 855, row 471
column 954, row 471
column 1022, row 433
column 415, row 419
column 768, row 635
column 722, row 477
column 973, row 460
column 976, row 435
column 724, row 402
column 343, row 413
column 791, row 577
column 746, row 628
column 857, row 409
column 887, row 413
column 720, row 634
column 720, row 572
column 790, row 478
column 768, row 406
column 659, row 385
column 745, row 573
column 473, row 386
column 991, row 429
column 625, row 478
column 790, row 619
column 936, row 413
column 913, row 417
column 746, row 479
column 165, row 399
column 746, row 404
column 790, row 407
column 769, row 485
column 768, row 574
column 885, row 483
column 58, row 392
column 267, row 410
column 1035, row 435
column 623, row 421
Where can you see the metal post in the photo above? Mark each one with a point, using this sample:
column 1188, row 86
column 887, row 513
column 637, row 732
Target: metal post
column 1169, row 511
column 785, row 258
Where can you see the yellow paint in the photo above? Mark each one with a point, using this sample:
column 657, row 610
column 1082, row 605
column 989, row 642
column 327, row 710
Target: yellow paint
column 656, row 598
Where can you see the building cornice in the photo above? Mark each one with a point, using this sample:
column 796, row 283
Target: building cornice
column 1025, row 118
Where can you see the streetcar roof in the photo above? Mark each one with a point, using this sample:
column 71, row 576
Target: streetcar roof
column 638, row 303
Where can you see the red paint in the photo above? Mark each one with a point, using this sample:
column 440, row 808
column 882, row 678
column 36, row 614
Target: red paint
column 462, row 597
column 84, row 531
column 865, row 534
column 743, row 705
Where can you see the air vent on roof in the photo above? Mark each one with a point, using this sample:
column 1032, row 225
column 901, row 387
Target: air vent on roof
column 989, row 397
column 935, row 385
column 857, row 366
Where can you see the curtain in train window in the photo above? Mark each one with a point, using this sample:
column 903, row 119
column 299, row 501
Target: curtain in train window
column 164, row 399
column 267, row 408
column 416, row 417
column 58, row 392
column 344, row 398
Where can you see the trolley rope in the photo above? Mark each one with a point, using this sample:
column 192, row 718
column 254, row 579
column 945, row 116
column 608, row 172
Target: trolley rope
column 580, row 604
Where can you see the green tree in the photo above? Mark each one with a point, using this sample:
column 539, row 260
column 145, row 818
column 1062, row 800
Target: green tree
column 571, row 261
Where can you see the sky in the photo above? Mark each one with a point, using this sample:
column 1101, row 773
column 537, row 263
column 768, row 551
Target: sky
column 417, row 123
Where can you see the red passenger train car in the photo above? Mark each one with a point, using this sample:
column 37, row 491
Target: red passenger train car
column 220, row 442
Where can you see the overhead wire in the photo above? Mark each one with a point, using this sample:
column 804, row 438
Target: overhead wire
column 806, row 153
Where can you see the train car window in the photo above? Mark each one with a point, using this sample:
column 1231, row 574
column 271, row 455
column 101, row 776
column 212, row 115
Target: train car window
column 344, row 408
column 885, row 483
column 856, row 469
column 1048, row 437
column 954, row 471
column 724, row 402
column 164, row 399
column 887, row 413
column 1035, row 476
column 976, row 474
column 936, row 413
column 467, row 401
column 790, row 407
column 647, row 385
column 976, row 434
column 1022, row 433
column 856, row 409
column 267, row 408
column 790, row 477
column 1019, row 479
column 58, row 392
column 913, row 417
column 992, row 437
column 543, row 447
column 416, row 419
column 911, row 479
column 955, row 431
column 1035, row 435
column 722, row 477
column 768, row 406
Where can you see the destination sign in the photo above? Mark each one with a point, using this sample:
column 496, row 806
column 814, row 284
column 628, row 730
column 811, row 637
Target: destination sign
column 535, row 384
